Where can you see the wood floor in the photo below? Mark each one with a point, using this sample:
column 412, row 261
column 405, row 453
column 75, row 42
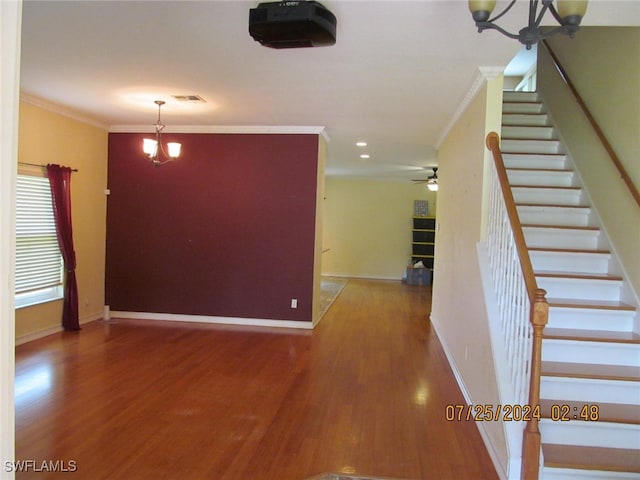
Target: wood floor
column 364, row 393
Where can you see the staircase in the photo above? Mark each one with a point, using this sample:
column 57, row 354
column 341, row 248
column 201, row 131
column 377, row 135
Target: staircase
column 590, row 385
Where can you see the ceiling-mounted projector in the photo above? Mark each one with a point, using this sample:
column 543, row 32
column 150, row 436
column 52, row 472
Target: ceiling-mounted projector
column 292, row 24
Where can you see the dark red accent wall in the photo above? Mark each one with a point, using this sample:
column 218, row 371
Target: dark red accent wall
column 227, row 230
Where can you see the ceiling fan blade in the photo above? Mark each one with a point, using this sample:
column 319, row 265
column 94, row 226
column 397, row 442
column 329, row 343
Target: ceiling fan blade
column 419, row 180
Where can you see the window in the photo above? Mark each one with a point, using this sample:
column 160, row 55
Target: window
column 39, row 266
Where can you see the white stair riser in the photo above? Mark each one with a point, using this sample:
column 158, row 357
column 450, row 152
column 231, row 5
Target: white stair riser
column 591, row 319
column 590, row 434
column 561, row 238
column 528, row 131
column 549, row 215
column 524, row 160
column 528, row 119
column 518, row 96
column 522, row 107
column 529, row 138
column 547, row 196
column 577, row 262
column 589, row 391
column 581, row 288
column 551, row 473
column 590, row 352
column 531, row 146
column 546, row 178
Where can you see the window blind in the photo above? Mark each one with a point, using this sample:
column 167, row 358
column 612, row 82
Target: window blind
column 38, row 260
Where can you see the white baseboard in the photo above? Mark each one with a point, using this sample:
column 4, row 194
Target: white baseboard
column 501, row 469
column 317, row 319
column 30, row 337
column 363, row 277
column 173, row 317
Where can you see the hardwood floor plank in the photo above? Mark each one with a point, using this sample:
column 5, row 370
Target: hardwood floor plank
column 364, row 393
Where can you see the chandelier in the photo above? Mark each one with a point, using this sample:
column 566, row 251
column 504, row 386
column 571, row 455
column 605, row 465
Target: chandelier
column 568, row 14
column 154, row 148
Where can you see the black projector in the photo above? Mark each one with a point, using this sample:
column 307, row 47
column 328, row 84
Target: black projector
column 292, row 24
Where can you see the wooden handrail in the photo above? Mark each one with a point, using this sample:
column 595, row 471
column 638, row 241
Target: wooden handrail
column 603, row 139
column 538, row 317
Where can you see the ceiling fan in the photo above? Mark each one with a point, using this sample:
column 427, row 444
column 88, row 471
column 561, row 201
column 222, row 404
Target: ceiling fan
column 431, row 181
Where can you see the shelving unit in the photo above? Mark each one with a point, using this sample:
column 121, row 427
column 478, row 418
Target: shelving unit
column 424, row 237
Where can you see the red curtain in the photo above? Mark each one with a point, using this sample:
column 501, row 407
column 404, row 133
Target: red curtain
column 60, row 182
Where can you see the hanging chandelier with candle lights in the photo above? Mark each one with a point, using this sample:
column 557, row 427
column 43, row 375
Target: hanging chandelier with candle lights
column 568, row 13
column 154, row 148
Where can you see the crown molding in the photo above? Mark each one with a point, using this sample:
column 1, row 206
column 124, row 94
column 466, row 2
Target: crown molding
column 61, row 110
column 238, row 129
column 484, row 74
column 251, row 129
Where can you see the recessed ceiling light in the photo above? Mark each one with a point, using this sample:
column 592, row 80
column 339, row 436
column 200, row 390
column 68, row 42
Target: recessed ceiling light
column 361, row 144
column 364, row 155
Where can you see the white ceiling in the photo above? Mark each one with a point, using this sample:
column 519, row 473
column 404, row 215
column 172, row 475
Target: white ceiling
column 395, row 78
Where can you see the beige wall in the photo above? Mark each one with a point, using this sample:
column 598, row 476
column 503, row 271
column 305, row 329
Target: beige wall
column 604, row 65
column 46, row 137
column 459, row 312
column 367, row 226
column 602, row 62
column 317, row 259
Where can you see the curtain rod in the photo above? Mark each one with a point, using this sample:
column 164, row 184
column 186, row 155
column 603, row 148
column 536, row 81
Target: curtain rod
column 42, row 166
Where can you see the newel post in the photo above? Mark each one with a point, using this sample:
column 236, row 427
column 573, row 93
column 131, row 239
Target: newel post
column 531, row 437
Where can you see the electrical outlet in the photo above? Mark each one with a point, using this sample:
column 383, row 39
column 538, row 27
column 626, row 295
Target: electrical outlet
column 294, row 303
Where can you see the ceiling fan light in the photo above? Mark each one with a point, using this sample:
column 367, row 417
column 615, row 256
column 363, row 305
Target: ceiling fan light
column 481, row 9
column 432, row 187
column 174, row 149
column 150, row 147
column 572, row 11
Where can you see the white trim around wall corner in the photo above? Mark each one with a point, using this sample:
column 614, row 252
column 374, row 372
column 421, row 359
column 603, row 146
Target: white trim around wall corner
column 501, row 469
column 325, row 135
column 172, row 317
column 484, row 74
column 10, row 22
